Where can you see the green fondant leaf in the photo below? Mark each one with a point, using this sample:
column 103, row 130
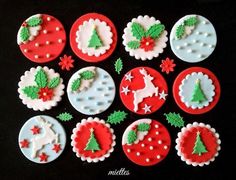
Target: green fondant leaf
column 65, row 116
column 86, row 75
column 34, row 21
column 143, row 127
column 180, row 30
column 54, row 82
column 174, row 119
column 31, row 91
column 24, row 34
column 133, row 44
column 41, row 78
column 76, row 84
column 118, row 65
column 132, row 136
column 116, row 117
column 155, row 31
column 137, row 31
column 192, row 21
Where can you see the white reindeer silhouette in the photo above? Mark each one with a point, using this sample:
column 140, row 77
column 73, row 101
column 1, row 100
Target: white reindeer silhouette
column 48, row 137
column 147, row 91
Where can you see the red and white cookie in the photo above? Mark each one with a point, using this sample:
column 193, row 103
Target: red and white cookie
column 41, row 38
column 143, row 90
column 196, row 90
column 93, row 140
column 93, row 37
column 146, row 142
column 198, row 144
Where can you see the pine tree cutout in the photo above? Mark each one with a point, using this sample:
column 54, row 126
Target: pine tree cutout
column 95, row 41
column 92, row 143
column 199, row 147
column 198, row 94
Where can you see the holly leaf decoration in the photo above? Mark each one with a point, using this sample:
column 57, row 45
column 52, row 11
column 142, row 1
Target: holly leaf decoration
column 133, row 44
column 174, row 119
column 31, row 92
column 132, row 136
column 34, row 21
column 41, row 78
column 137, row 30
column 143, row 127
column 65, row 116
column 180, row 31
column 24, row 34
column 87, row 75
column 54, row 82
column 76, row 84
column 192, row 21
column 116, row 117
column 155, row 31
column 118, row 65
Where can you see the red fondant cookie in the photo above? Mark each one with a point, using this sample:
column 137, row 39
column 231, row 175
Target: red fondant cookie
column 143, row 90
column 196, row 90
column 198, row 144
column 146, row 142
column 41, row 38
column 93, row 140
column 93, row 37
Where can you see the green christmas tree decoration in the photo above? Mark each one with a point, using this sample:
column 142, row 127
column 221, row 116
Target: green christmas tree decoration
column 118, row 65
column 65, row 116
column 95, row 41
column 116, row 117
column 132, row 136
column 174, row 119
column 92, row 143
column 198, row 94
column 143, row 127
column 199, row 146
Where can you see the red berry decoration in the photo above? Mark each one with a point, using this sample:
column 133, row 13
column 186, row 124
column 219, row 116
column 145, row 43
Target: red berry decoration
column 167, row 65
column 148, row 144
column 66, row 62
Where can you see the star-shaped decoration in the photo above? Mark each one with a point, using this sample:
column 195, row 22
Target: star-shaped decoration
column 24, row 143
column 56, row 148
column 43, row 157
column 35, row 130
column 146, row 108
column 125, row 90
column 128, row 77
column 162, row 95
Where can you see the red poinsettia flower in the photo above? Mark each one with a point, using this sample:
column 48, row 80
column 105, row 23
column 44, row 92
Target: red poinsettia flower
column 167, row 65
column 66, row 62
column 147, row 43
column 45, row 94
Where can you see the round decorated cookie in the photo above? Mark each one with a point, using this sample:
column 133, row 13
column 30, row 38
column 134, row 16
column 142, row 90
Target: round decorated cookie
column 146, row 142
column 198, row 144
column 40, row 88
column 41, row 38
column 144, row 38
column 91, row 90
column 196, row 90
column 42, row 139
column 143, row 90
column 93, row 140
column 193, row 38
column 93, row 37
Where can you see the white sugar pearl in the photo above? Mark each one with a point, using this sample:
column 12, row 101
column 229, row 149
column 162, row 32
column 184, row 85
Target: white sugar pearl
column 206, row 34
column 158, row 157
column 186, row 44
column 159, row 141
column 143, row 145
column 138, row 153
column 151, row 147
column 149, row 139
column 178, row 47
column 47, row 42
column 36, row 44
column 157, row 132
column 48, row 55
column 156, row 126
column 57, row 29
column 45, row 31
column 202, row 44
column 147, row 160
column 36, row 56
column 60, row 40
column 49, row 19
column 25, row 50
column 165, row 147
column 210, row 46
column 190, row 51
column 204, row 22
column 128, row 150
